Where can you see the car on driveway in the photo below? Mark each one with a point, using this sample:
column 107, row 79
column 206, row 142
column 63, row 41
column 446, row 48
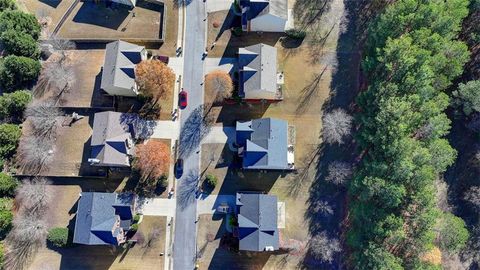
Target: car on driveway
column 182, row 99
column 179, row 168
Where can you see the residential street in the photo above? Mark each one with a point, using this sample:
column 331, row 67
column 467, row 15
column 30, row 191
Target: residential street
column 184, row 247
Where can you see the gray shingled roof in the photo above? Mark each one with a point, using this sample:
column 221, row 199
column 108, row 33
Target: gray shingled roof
column 258, row 72
column 257, row 220
column 97, row 215
column 119, row 67
column 266, row 144
column 109, row 137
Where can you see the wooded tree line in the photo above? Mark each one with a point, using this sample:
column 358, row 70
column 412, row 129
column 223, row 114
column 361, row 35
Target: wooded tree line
column 411, row 56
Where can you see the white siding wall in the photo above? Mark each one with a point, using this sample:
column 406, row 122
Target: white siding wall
column 268, row 23
column 126, row 2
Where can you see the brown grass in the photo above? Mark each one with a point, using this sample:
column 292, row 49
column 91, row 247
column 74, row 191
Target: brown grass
column 72, row 147
column 55, row 13
column 89, row 21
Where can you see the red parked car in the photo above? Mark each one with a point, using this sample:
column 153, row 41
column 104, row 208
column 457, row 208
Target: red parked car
column 182, row 99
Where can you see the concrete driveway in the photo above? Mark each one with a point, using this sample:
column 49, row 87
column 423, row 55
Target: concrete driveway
column 158, row 207
column 220, row 135
column 226, row 64
column 218, row 5
column 209, row 204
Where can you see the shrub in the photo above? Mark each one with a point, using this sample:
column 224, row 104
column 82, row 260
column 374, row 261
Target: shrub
column 296, row 34
column 58, row 237
column 4, row 5
column 134, row 227
column 6, row 216
column 18, row 71
column 237, row 31
column 13, row 104
column 20, row 22
column 8, row 184
column 211, row 180
column 136, row 218
column 9, row 137
column 20, row 44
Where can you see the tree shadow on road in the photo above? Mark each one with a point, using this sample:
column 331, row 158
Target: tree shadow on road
column 187, row 190
column 195, row 128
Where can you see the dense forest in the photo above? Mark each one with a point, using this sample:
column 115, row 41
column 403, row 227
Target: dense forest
column 413, row 58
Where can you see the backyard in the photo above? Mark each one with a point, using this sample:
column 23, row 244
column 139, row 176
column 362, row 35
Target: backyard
column 92, row 21
column 321, row 73
column 72, row 147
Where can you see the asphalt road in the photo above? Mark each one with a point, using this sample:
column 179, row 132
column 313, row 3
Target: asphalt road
column 184, row 247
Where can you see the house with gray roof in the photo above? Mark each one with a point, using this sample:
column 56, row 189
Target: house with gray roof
column 111, row 143
column 118, row 74
column 258, row 73
column 257, row 222
column 263, row 144
column 264, row 15
column 103, row 218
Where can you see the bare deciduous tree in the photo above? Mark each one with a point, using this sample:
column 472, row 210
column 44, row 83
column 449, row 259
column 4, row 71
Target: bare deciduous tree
column 58, row 78
column 324, row 248
column 339, row 172
column 43, row 119
column 323, row 208
column 34, row 195
column 28, row 234
column 34, row 154
column 220, row 84
column 60, row 45
column 336, row 126
column 473, row 196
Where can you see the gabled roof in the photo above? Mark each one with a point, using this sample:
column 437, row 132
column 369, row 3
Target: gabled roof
column 266, row 146
column 257, row 220
column 109, row 139
column 258, row 72
column 119, row 67
column 278, row 8
column 97, row 215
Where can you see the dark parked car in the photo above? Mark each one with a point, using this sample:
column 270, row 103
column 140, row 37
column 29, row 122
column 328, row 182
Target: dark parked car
column 162, row 58
column 179, row 168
